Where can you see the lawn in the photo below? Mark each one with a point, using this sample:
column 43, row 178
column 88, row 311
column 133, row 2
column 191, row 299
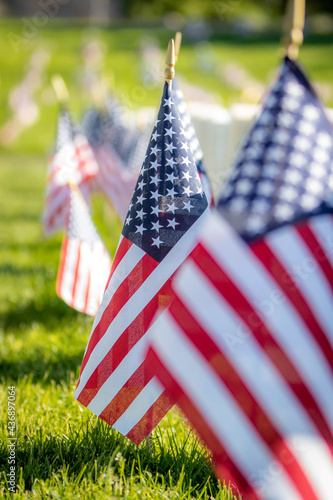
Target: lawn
column 62, row 450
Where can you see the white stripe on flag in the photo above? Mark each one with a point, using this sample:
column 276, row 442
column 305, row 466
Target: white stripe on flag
column 141, row 404
column 133, row 255
column 255, row 369
column 250, row 361
column 322, row 227
column 82, row 276
column 119, row 377
column 256, row 284
column 295, row 257
column 316, row 460
column 138, row 301
column 221, row 412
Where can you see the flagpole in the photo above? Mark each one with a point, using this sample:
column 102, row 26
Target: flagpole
column 169, row 72
column 293, row 27
column 178, row 42
column 75, row 188
column 60, row 89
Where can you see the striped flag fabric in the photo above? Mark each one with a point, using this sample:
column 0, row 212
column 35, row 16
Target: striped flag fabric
column 246, row 347
column 72, row 162
column 116, row 181
column 84, row 261
column 167, row 208
column 193, row 141
column 118, row 151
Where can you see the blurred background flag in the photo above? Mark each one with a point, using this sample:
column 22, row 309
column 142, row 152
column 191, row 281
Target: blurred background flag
column 119, row 148
column 73, row 161
column 84, row 261
column 246, row 347
column 167, row 207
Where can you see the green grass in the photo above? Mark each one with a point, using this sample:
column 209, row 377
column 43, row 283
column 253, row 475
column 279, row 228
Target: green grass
column 201, row 64
column 62, row 450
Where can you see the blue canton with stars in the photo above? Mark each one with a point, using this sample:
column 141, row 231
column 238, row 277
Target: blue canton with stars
column 284, row 172
column 189, row 129
column 168, row 197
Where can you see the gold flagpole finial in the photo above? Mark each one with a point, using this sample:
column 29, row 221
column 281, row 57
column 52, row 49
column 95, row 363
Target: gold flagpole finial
column 294, row 26
column 169, row 72
column 60, row 89
column 178, row 42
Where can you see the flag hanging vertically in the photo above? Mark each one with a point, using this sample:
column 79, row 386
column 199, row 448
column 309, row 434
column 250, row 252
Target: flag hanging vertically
column 119, row 152
column 84, row 261
column 193, row 141
column 167, row 207
column 246, row 347
column 72, row 162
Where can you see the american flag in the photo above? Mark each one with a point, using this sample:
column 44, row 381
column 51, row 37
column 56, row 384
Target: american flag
column 246, row 347
column 119, row 152
column 193, row 141
column 167, row 207
column 84, row 262
column 73, row 162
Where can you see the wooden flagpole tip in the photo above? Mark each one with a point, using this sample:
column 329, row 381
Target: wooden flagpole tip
column 60, row 89
column 178, row 42
column 294, row 26
column 169, row 72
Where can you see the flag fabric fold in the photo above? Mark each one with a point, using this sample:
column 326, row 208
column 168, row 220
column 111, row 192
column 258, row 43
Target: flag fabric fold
column 167, row 207
column 246, row 347
column 73, row 162
column 84, row 261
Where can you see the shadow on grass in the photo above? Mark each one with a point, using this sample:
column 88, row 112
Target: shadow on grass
column 48, row 311
column 91, row 448
column 9, row 269
column 41, row 368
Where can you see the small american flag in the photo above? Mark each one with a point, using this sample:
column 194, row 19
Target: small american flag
column 84, row 262
column 246, row 347
column 193, row 141
column 73, row 162
column 167, row 207
column 119, row 153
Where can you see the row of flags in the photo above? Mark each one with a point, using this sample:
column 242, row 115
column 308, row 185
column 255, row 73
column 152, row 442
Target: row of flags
column 228, row 312
column 104, row 155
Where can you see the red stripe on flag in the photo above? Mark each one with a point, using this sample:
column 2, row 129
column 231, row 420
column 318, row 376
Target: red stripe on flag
column 61, row 265
column 58, row 211
column 225, row 466
column 125, row 290
column 135, row 331
column 261, row 333
column 55, row 190
column 125, row 396
column 267, row 257
column 222, row 367
column 150, row 419
column 123, row 248
column 317, row 251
